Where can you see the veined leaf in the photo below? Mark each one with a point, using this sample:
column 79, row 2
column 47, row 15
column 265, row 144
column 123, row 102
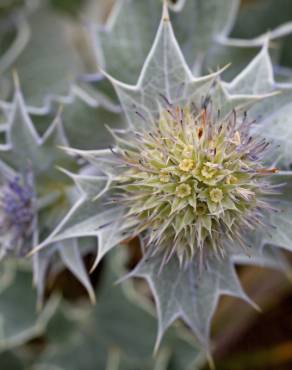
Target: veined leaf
column 130, row 30
column 188, row 293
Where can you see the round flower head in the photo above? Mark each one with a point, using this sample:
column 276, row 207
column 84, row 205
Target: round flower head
column 193, row 181
column 17, row 215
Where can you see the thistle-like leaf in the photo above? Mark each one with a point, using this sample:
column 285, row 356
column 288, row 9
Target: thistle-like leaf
column 89, row 216
column 26, row 151
column 193, row 18
column 131, row 27
column 20, row 322
column 188, row 293
column 24, row 146
column 253, row 86
column 112, row 332
column 165, row 77
column 257, row 78
column 130, row 30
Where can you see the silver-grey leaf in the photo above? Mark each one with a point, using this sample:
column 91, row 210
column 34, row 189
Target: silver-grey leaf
column 188, row 293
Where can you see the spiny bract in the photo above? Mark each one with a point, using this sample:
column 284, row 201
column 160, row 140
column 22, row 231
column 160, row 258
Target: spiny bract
column 193, row 181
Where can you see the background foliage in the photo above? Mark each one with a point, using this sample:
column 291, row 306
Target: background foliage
column 48, row 44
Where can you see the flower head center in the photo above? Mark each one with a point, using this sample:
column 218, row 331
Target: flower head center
column 216, row 195
column 186, row 165
column 208, row 171
column 183, row 190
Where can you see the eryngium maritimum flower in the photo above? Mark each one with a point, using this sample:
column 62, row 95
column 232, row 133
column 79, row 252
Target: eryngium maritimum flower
column 17, row 216
column 193, row 181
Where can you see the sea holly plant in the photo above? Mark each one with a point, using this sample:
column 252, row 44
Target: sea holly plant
column 199, row 179
column 192, row 177
column 34, row 194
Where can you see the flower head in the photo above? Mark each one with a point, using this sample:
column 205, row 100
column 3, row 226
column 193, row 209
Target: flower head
column 183, row 190
column 193, row 181
column 216, row 195
column 186, row 164
column 17, row 216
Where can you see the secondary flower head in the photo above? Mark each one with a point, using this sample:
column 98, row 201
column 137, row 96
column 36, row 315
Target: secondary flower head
column 17, row 216
column 193, row 181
